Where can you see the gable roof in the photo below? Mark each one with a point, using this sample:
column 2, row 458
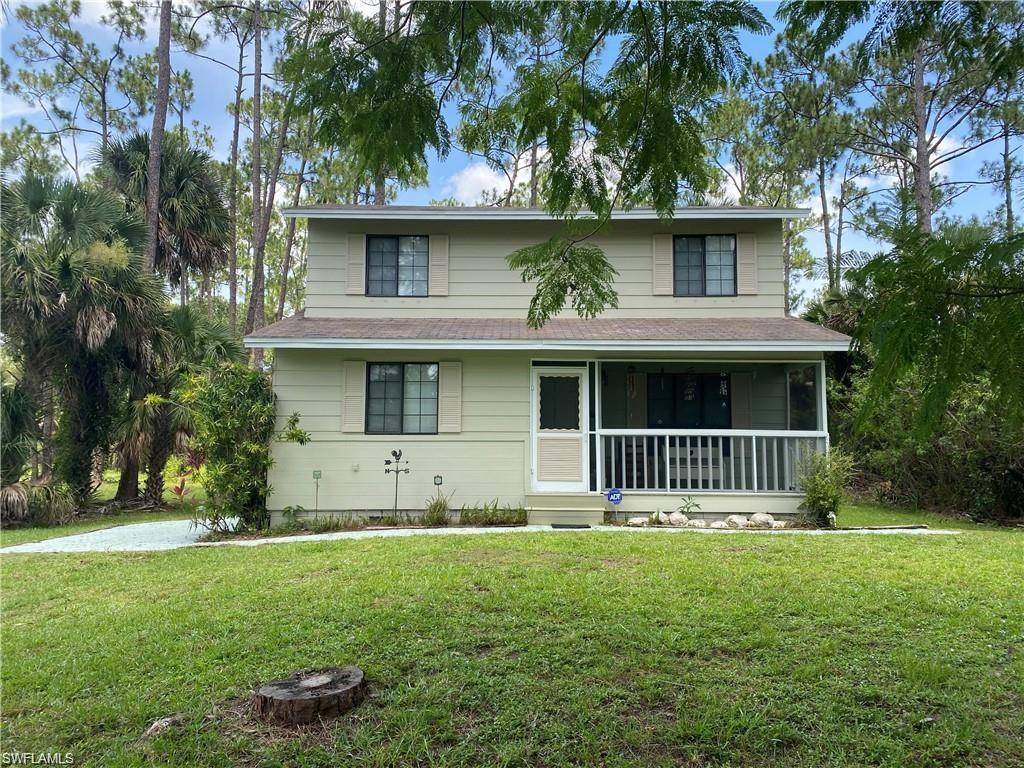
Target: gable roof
column 496, row 213
column 738, row 334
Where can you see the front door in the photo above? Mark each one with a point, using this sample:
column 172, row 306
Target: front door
column 560, row 429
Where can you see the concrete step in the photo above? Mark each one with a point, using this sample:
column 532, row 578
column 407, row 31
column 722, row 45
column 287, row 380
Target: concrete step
column 564, row 508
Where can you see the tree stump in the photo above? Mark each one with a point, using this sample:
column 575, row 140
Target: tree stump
column 310, row 694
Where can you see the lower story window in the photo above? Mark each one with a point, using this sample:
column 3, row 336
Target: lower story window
column 401, row 398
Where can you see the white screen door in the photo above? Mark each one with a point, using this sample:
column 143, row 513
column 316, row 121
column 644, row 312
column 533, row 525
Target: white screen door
column 560, row 429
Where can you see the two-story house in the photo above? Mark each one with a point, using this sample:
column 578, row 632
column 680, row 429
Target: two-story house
column 414, row 337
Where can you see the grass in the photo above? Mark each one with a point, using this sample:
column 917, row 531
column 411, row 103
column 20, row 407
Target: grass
column 531, row 649
column 108, row 488
column 853, row 515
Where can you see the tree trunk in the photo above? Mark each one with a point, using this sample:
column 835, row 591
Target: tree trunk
column 256, row 289
column 380, row 179
column 233, row 202
column 286, row 259
column 826, row 224
column 156, row 137
column 1008, row 177
column 128, row 483
column 922, row 159
column 161, row 445
column 533, row 175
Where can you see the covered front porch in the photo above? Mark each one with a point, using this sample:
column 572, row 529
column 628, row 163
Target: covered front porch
column 680, row 427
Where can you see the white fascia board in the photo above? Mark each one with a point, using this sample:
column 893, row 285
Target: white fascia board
column 399, row 213
column 563, row 346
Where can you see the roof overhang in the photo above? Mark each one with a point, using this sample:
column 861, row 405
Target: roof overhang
column 490, row 213
column 551, row 345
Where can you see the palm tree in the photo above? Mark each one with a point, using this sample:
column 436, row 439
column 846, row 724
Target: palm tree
column 193, row 227
column 77, row 308
column 153, row 426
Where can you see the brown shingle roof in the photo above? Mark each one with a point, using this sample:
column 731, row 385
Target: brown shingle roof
column 601, row 330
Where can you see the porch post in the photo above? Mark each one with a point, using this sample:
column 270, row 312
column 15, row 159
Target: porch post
column 598, row 441
column 822, row 401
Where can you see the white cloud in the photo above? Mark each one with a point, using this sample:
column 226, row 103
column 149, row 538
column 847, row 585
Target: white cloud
column 468, row 185
column 13, row 107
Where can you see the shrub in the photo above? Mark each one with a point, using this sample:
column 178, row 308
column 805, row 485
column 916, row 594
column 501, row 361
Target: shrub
column 294, row 523
column 492, row 514
column 394, row 519
column 972, row 462
column 823, row 479
column 233, row 413
column 688, row 506
column 438, row 511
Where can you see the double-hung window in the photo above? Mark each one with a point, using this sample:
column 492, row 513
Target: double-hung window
column 401, row 398
column 397, row 265
column 704, row 265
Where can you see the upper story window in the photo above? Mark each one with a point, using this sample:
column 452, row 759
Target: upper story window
column 401, row 398
column 397, row 265
column 704, row 265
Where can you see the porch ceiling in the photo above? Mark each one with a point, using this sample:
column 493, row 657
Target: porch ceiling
column 754, row 334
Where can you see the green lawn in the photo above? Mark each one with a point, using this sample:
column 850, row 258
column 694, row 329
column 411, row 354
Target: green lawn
column 642, row 649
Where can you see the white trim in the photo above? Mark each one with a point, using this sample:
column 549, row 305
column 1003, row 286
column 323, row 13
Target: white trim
column 526, row 344
column 454, row 213
column 713, row 432
column 583, row 434
column 823, row 401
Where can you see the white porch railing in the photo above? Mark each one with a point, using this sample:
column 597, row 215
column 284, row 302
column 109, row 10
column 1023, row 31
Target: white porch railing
column 701, row 461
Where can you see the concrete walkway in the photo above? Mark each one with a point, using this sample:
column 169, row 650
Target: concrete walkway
column 175, row 534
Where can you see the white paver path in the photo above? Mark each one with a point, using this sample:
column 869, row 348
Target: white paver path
column 175, row 534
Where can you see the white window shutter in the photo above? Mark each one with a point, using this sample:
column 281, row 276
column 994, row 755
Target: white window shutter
column 449, row 397
column 437, row 282
column 742, row 396
column 353, row 396
column 356, row 266
column 746, row 263
column 661, row 266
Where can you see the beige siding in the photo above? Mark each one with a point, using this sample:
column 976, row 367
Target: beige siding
column 481, row 285
column 488, row 459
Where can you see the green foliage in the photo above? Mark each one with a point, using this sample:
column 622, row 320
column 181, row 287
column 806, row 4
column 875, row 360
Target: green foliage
column 491, row 513
column 193, row 229
column 565, row 269
column 18, row 428
column 437, row 512
column 951, row 308
column 688, row 506
column 78, row 310
column 233, row 413
column 973, row 461
column 823, row 479
column 50, row 504
column 616, row 104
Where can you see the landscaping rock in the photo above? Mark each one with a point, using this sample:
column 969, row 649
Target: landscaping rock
column 696, row 523
column 760, row 520
column 678, row 519
column 736, row 521
column 664, row 518
column 638, row 522
column 780, row 524
column 310, row 694
column 719, row 524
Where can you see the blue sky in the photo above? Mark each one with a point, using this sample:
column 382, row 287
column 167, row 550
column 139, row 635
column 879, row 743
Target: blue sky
column 457, row 175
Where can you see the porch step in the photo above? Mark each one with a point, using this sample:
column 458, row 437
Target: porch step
column 564, row 509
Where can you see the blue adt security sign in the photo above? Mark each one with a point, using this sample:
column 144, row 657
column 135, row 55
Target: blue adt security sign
column 615, row 495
